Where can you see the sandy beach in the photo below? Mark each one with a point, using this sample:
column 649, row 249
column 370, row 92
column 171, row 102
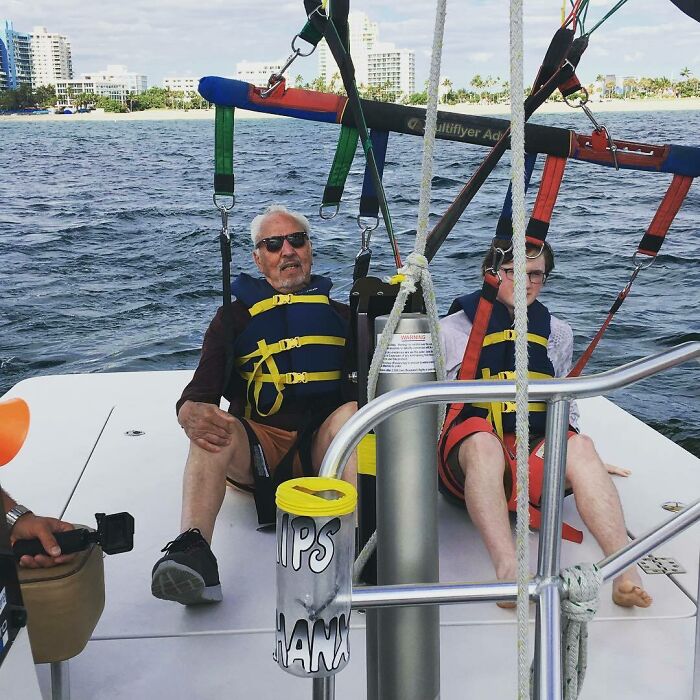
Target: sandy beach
column 688, row 103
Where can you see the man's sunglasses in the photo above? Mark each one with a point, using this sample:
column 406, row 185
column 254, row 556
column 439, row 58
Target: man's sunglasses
column 275, row 243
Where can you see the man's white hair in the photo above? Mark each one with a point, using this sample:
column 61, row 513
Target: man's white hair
column 256, row 225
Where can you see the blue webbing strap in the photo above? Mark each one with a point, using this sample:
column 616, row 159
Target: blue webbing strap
column 369, row 202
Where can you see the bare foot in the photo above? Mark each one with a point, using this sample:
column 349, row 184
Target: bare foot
column 507, row 604
column 628, row 592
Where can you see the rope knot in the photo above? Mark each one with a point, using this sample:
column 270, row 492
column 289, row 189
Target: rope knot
column 416, row 265
column 583, row 582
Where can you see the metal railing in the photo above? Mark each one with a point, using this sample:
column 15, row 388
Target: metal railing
column 546, row 588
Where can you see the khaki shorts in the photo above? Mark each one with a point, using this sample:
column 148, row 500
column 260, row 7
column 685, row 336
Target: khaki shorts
column 275, row 444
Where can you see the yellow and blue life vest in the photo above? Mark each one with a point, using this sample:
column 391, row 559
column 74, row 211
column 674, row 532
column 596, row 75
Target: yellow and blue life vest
column 292, row 347
column 497, row 360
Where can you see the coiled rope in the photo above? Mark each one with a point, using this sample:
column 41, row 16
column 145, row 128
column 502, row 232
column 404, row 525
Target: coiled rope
column 583, row 582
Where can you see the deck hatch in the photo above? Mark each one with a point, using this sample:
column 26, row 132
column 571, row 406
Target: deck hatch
column 651, row 564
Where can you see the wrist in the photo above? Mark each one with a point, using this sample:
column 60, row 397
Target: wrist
column 14, row 514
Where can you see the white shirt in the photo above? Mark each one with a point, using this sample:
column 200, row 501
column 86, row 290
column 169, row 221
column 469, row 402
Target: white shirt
column 454, row 334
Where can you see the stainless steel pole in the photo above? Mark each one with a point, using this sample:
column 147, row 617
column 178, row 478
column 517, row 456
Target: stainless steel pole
column 548, row 679
column 696, row 665
column 60, row 680
column 407, row 537
column 324, row 688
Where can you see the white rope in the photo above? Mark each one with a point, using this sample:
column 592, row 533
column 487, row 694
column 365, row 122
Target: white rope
column 517, row 141
column 583, row 582
column 415, row 269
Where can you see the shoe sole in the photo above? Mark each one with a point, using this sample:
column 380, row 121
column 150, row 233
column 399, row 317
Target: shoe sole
column 179, row 583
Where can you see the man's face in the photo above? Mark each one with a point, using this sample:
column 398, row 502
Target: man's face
column 288, row 269
column 535, row 269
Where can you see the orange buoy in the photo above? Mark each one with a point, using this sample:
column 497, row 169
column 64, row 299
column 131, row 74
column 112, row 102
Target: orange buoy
column 14, row 426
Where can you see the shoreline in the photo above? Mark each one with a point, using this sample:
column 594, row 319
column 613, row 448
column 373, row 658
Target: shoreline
column 651, row 105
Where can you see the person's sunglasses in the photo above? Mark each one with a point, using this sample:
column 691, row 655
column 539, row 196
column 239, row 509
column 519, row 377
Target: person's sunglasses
column 273, row 244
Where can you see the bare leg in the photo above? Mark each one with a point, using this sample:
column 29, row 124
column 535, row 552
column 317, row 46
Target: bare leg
column 599, row 505
column 482, row 461
column 204, row 480
column 325, row 434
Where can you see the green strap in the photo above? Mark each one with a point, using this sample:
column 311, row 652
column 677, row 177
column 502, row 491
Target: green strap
column 310, row 34
column 223, row 151
column 342, row 162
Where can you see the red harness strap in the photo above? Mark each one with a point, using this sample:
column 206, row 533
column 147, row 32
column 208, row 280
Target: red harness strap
column 650, row 246
column 552, row 175
column 535, row 463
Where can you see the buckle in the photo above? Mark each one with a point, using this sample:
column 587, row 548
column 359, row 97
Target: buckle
column 508, row 407
column 509, row 334
column 295, row 378
column 506, row 375
column 289, row 343
column 279, row 299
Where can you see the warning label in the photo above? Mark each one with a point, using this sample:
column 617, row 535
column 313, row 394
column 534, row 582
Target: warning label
column 409, row 353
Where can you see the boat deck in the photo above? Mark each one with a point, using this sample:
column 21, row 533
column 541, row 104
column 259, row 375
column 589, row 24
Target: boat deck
column 80, row 459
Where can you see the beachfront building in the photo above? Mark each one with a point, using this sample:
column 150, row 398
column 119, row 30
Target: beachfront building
column 392, row 69
column 15, row 57
column 115, row 82
column 363, row 35
column 184, row 84
column 257, row 72
column 377, row 64
column 50, row 57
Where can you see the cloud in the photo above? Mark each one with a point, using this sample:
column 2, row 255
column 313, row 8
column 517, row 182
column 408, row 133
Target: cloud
column 210, row 36
column 480, row 56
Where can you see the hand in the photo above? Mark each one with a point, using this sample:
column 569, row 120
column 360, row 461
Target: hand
column 206, row 425
column 619, row 471
column 30, row 526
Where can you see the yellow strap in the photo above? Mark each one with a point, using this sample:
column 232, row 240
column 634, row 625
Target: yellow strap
column 510, row 334
column 367, row 455
column 510, row 406
column 289, row 343
column 293, row 377
column 512, row 375
column 282, row 299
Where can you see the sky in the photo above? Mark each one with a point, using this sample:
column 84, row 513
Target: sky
column 208, row 37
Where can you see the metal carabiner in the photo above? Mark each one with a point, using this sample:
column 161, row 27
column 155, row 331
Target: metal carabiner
column 224, row 207
column 497, row 260
column 277, row 79
column 299, row 52
column 602, row 128
column 367, row 227
column 537, row 254
column 332, row 216
column 639, row 265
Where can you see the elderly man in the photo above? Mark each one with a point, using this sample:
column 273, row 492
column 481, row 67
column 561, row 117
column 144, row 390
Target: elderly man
column 476, row 453
column 285, row 386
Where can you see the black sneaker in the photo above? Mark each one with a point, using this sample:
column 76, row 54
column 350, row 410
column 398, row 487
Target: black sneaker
column 188, row 573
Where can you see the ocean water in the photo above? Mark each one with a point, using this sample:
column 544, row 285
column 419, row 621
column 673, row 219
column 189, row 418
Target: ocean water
column 109, row 257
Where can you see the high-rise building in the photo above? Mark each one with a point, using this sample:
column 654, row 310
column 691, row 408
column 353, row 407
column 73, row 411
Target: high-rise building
column 392, row 69
column 15, row 58
column 376, row 64
column 363, row 36
column 51, row 57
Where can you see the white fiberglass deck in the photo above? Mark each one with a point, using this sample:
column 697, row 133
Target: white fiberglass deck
column 78, row 460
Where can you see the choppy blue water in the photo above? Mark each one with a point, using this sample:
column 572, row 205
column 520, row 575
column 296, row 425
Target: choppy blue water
column 109, row 257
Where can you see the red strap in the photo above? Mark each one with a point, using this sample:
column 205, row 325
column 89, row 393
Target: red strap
column 546, row 199
column 666, row 213
column 470, row 360
column 649, row 245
